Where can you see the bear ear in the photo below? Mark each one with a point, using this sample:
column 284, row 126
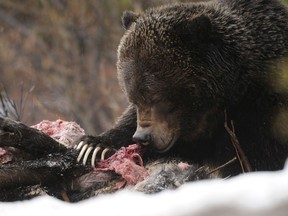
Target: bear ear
column 128, row 18
column 198, row 29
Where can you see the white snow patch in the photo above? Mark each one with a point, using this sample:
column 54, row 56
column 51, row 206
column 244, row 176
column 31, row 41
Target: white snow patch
column 253, row 194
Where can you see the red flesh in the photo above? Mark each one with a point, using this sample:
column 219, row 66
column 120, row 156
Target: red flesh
column 127, row 162
column 62, row 131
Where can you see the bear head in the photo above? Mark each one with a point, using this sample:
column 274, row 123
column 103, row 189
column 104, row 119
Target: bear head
column 167, row 68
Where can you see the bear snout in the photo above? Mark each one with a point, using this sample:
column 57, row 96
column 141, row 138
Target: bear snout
column 142, row 138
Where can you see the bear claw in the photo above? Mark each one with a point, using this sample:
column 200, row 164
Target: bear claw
column 83, row 149
column 89, row 149
column 86, row 149
column 93, row 159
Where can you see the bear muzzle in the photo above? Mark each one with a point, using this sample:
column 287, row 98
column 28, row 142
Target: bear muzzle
column 156, row 141
column 142, row 138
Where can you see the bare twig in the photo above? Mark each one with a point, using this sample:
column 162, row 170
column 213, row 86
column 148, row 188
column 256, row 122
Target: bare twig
column 3, row 110
column 22, row 102
column 9, row 108
column 222, row 166
column 243, row 160
column 227, row 177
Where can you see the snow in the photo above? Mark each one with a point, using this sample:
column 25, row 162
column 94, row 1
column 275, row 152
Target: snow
column 253, row 194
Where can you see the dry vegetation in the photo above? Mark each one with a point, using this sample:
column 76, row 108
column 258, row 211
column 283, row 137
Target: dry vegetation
column 66, row 51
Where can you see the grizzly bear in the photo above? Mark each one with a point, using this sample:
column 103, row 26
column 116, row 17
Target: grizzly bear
column 189, row 68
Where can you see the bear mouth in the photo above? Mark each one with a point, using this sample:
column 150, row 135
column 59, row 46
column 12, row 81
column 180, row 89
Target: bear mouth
column 168, row 146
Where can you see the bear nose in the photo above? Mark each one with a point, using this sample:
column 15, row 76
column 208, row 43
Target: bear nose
column 142, row 138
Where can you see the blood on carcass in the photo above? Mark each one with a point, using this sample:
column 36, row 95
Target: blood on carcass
column 127, row 162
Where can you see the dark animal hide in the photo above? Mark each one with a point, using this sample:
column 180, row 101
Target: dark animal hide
column 41, row 165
